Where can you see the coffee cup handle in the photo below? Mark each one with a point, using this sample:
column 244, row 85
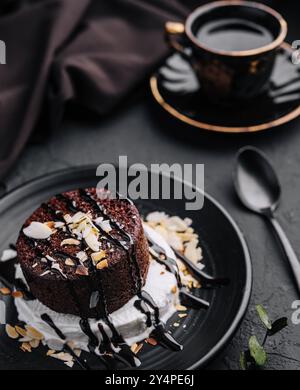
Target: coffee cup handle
column 175, row 37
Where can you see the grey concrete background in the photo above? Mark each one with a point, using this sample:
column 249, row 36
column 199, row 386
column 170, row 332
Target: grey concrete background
column 135, row 129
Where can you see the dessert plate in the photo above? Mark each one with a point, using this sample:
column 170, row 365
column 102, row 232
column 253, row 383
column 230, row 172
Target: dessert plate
column 177, row 91
column 203, row 333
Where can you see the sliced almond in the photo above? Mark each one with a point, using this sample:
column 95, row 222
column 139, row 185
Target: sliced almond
column 22, row 332
column 82, row 270
column 34, row 333
column 11, row 331
column 151, row 341
column 69, row 262
column 136, row 347
column 77, row 352
column 5, row 291
column 25, row 339
column 102, row 264
column 182, row 315
column 70, row 241
column 37, row 230
column 92, row 242
column 82, row 256
column 34, row 343
column 50, row 352
column 25, row 347
column 68, row 218
column 17, row 294
column 64, row 356
column 97, row 256
column 192, row 251
column 69, row 364
column 59, row 225
column 180, row 307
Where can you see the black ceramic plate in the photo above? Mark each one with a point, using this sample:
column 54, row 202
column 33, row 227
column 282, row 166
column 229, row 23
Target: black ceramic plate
column 205, row 332
column 178, row 92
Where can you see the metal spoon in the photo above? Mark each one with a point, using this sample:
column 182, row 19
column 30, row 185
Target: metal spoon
column 258, row 188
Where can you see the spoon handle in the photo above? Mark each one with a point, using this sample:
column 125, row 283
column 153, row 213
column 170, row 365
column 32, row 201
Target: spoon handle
column 288, row 249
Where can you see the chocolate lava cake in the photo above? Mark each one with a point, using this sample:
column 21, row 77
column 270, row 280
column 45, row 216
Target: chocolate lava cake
column 82, row 254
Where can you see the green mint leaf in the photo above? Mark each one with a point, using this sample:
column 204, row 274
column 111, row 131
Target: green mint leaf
column 257, row 351
column 263, row 315
column 278, row 325
column 243, row 361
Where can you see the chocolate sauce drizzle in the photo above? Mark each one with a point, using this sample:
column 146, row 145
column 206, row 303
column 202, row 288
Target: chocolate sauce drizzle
column 112, row 347
column 48, row 320
column 187, row 298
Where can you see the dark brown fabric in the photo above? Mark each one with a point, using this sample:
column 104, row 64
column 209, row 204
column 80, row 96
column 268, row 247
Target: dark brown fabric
column 92, row 52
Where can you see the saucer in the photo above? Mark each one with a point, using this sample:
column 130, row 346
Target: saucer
column 177, row 90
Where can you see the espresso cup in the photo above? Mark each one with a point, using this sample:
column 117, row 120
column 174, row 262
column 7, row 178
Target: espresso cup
column 232, row 46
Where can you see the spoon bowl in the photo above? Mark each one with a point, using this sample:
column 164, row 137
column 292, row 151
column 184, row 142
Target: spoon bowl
column 258, row 188
column 256, row 181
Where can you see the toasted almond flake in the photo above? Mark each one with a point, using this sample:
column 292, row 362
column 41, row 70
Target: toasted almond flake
column 37, row 230
column 102, row 264
column 77, row 352
column 64, row 356
column 59, row 224
column 34, row 343
column 25, row 347
column 82, row 270
column 162, row 273
column 92, row 242
column 50, row 224
column 71, row 344
column 22, row 332
column 25, row 339
column 174, row 289
column 105, row 225
column 176, row 324
column 50, row 352
column 34, row 333
column 176, row 224
column 97, row 256
column 182, row 315
column 5, row 291
column 136, row 347
column 180, row 307
column 79, row 216
column 82, row 256
column 11, row 331
column 69, row 262
column 17, row 294
column 69, row 364
column 151, row 341
column 174, row 241
column 70, row 241
column 68, row 218
column 192, row 251
column 157, row 217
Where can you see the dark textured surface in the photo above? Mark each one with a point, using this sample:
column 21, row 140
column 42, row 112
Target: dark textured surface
column 136, row 130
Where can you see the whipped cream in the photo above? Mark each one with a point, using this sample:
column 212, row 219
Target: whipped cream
column 129, row 321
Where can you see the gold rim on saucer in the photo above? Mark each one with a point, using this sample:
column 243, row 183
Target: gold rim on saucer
column 224, row 129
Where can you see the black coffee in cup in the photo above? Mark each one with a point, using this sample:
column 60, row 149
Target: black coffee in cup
column 234, row 34
column 232, row 46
